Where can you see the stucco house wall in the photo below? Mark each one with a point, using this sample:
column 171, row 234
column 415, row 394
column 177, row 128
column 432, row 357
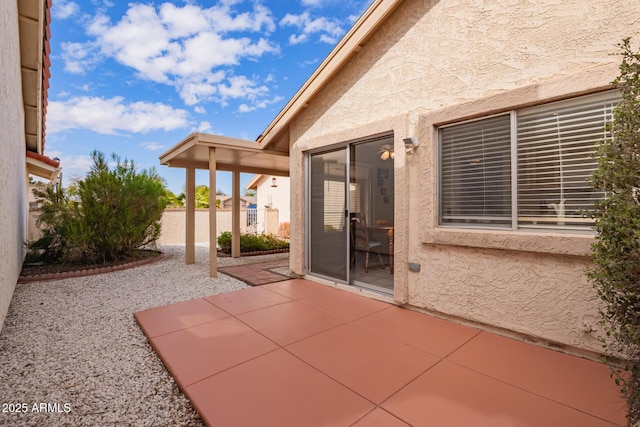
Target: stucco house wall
column 436, row 62
column 275, row 197
column 13, row 175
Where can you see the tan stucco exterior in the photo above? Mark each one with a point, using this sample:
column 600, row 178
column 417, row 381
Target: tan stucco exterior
column 13, row 178
column 436, row 62
column 270, row 197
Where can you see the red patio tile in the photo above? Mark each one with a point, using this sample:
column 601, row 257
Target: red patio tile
column 195, row 353
column 371, row 364
column 449, row 395
column 344, row 304
column 427, row 333
column 169, row 318
column 298, row 288
column 289, row 322
column 275, row 390
column 579, row 383
column 379, row 418
column 246, row 300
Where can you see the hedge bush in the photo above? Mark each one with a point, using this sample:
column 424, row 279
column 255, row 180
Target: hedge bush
column 251, row 242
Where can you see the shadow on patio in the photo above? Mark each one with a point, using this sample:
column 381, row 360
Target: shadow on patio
column 297, row 353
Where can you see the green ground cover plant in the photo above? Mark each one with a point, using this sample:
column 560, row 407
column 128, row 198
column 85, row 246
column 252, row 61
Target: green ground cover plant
column 252, row 242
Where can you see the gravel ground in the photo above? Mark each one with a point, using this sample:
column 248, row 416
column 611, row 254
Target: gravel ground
column 74, row 346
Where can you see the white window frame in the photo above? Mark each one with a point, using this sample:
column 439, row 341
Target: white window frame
column 611, row 96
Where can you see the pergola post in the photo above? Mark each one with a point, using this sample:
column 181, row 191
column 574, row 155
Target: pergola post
column 190, row 231
column 213, row 253
column 235, row 215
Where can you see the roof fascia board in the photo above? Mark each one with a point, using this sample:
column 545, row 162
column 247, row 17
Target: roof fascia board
column 42, row 169
column 253, row 184
column 346, row 47
column 226, row 168
column 179, row 148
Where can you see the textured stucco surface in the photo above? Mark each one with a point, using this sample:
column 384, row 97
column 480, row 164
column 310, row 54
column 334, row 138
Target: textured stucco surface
column 13, row 212
column 435, row 62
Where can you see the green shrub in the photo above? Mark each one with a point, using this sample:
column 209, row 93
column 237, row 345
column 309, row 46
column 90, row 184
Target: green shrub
column 59, row 224
column 251, row 242
column 616, row 251
column 106, row 216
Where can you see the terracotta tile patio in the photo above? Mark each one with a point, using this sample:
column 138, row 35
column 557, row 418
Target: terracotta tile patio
column 297, row 353
column 256, row 274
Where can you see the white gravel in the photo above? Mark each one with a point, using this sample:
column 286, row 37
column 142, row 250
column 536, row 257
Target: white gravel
column 74, row 346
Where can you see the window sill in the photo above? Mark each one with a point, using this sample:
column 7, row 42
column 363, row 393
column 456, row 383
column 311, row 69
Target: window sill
column 539, row 242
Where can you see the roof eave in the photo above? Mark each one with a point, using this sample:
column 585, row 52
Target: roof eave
column 34, row 21
column 44, row 168
column 253, row 184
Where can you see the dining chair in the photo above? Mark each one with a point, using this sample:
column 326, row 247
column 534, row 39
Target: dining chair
column 361, row 242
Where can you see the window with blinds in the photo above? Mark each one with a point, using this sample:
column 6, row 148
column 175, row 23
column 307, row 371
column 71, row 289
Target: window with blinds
column 475, row 172
column 555, row 155
column 557, row 144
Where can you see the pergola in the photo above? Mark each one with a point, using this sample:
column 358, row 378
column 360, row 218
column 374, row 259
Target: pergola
column 220, row 153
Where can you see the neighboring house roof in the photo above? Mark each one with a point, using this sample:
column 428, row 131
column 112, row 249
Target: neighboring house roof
column 253, row 184
column 351, row 43
column 34, row 17
column 247, row 199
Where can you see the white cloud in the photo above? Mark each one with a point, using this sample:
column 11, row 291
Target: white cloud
column 262, row 103
column 200, row 110
column 244, row 108
column 113, row 115
column 309, row 62
column 74, row 167
column 241, row 87
column 79, row 57
column 328, row 29
column 152, row 146
column 63, row 9
column 204, row 127
column 190, row 48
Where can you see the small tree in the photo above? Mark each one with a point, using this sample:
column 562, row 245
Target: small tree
column 172, row 200
column 202, row 196
column 105, row 216
column 616, row 251
column 59, row 224
column 121, row 208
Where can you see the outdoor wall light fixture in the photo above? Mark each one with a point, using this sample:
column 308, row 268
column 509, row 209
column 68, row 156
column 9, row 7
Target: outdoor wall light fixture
column 410, row 144
column 386, row 152
column 273, row 182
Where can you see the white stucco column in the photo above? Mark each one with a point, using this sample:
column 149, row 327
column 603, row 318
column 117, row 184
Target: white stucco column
column 213, row 253
column 235, row 215
column 190, row 230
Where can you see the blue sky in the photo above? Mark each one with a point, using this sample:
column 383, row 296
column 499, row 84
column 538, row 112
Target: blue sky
column 136, row 78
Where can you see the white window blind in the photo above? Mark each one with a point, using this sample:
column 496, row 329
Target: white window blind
column 475, row 166
column 557, row 143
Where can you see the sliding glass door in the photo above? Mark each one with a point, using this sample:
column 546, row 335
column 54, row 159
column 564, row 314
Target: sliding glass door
column 350, row 211
column 327, row 213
